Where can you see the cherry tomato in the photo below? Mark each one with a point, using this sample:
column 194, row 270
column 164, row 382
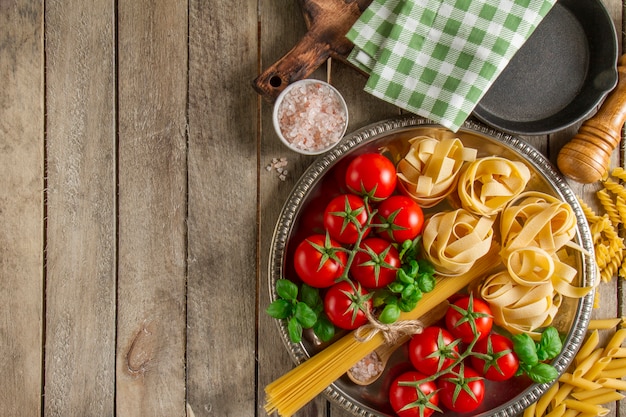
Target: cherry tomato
column 403, row 219
column 469, row 316
column 376, row 264
column 462, row 390
column 502, row 362
column 344, row 303
column 319, row 261
column 344, row 217
column 371, row 174
column 433, row 350
column 423, row 400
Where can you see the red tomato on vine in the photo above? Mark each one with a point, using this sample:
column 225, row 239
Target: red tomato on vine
column 319, row 261
column 419, row 400
column 461, row 390
column 433, row 350
column 372, row 175
column 500, row 362
column 401, row 219
column 345, row 217
column 345, row 304
column 375, row 265
column 469, row 317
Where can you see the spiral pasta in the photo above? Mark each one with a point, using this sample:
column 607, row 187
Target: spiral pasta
column 487, row 184
column 429, row 171
column 609, row 206
column 608, row 244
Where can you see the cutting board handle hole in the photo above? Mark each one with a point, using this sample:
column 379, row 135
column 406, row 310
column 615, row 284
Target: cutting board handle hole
column 276, row 81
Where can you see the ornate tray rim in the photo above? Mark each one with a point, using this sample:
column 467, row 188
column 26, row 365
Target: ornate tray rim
column 367, row 134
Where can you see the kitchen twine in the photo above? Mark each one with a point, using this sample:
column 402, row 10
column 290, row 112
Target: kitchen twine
column 391, row 332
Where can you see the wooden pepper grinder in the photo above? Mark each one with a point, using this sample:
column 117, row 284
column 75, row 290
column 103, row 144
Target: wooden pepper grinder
column 586, row 157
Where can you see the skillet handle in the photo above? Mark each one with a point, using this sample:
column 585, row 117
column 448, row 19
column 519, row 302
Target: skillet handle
column 586, row 157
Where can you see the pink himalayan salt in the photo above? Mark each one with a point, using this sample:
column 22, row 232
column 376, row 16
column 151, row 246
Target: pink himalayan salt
column 311, row 117
column 367, row 368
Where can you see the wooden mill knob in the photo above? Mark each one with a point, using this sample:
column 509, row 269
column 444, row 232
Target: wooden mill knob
column 586, row 157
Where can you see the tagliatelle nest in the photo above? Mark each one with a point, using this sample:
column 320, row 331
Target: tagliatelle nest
column 429, row 171
column 453, row 241
column 487, row 184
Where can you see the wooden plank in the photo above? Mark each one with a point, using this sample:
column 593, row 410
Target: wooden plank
column 21, row 206
column 282, row 25
column 80, row 285
column 222, row 224
column 152, row 80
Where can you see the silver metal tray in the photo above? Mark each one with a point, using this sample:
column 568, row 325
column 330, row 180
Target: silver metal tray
column 508, row 399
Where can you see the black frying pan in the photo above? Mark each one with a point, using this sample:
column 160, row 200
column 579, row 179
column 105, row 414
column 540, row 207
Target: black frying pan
column 560, row 75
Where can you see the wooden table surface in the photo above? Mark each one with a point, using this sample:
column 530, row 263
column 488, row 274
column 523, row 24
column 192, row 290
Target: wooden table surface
column 136, row 211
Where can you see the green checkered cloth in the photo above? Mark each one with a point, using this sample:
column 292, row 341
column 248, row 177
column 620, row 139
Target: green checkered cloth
column 437, row 58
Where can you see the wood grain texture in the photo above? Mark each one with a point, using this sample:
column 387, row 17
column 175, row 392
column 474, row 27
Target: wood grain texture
column 80, row 282
column 21, row 206
column 152, row 208
column 136, row 211
column 222, row 221
column 281, row 25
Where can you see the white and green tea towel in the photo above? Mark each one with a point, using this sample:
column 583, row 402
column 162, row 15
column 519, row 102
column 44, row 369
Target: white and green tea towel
column 437, row 58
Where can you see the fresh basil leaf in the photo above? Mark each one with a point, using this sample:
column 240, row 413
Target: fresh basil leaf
column 390, row 314
column 403, row 277
column 413, row 296
column 310, row 296
column 407, row 305
column 426, row 282
column 426, row 267
column 324, row 329
column 550, row 344
column 407, row 245
column 525, row 348
column 411, row 268
column 542, row 373
column 286, row 289
column 305, row 315
column 408, row 291
column 279, row 309
column 295, row 330
column 396, row 287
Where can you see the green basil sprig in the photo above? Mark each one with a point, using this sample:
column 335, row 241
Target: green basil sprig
column 533, row 354
column 304, row 313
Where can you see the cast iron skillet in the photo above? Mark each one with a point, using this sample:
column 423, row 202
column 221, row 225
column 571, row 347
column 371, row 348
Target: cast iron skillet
column 560, row 75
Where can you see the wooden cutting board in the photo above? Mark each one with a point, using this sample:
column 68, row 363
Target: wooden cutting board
column 327, row 23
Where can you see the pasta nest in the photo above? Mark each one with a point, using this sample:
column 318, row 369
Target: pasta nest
column 429, row 171
column 454, row 240
column 488, row 184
